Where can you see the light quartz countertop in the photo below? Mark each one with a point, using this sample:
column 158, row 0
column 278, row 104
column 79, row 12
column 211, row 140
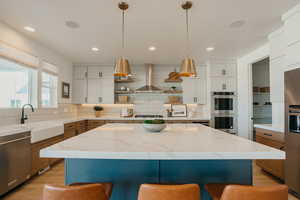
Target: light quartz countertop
column 270, row 127
column 176, row 142
column 46, row 129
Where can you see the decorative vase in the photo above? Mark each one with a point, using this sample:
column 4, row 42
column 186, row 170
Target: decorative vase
column 98, row 113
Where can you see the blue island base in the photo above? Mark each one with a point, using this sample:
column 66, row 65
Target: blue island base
column 128, row 175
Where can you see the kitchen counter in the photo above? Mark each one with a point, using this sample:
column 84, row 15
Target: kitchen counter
column 270, row 127
column 127, row 156
column 58, row 124
column 177, row 141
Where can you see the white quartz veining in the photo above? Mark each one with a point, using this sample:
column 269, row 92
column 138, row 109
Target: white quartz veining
column 270, row 127
column 176, row 142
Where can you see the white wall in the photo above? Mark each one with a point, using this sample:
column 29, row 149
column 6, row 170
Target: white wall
column 245, row 89
column 20, row 41
column 284, row 51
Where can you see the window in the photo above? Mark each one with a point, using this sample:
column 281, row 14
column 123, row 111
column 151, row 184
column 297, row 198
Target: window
column 49, row 90
column 18, row 84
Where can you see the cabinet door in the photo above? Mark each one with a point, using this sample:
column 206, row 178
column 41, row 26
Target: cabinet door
column 201, row 88
column 80, row 73
column 100, row 85
column 189, row 91
column 107, row 92
column 194, row 91
column 38, row 163
column 219, row 84
column 94, row 91
column 79, row 91
column 94, row 73
column 223, row 70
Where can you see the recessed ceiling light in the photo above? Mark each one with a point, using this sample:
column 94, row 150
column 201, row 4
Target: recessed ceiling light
column 209, row 49
column 237, row 24
column 72, row 24
column 152, row 48
column 30, row 29
column 95, row 49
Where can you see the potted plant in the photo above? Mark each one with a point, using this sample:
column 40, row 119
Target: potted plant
column 98, row 110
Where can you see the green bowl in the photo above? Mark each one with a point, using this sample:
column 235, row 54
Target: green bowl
column 155, row 121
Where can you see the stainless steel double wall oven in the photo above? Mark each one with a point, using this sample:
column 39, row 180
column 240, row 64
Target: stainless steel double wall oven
column 224, row 111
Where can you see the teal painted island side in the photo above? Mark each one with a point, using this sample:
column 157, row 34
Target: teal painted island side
column 127, row 175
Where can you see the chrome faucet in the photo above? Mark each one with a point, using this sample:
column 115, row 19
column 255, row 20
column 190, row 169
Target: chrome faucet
column 25, row 117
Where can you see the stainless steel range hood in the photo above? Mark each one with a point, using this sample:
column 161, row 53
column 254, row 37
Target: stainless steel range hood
column 149, row 88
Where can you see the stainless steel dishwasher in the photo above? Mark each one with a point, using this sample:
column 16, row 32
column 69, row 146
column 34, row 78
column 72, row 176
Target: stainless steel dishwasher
column 15, row 160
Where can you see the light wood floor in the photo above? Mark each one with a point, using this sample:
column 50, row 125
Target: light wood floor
column 32, row 190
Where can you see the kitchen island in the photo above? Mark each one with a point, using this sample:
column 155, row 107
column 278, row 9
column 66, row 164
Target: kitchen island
column 127, row 155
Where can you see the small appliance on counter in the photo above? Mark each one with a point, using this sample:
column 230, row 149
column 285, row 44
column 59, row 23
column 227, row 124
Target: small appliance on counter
column 178, row 110
column 126, row 112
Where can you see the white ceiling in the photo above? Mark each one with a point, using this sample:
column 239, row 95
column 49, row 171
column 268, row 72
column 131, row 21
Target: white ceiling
column 149, row 22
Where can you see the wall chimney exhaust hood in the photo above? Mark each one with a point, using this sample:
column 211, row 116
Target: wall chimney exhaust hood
column 149, row 88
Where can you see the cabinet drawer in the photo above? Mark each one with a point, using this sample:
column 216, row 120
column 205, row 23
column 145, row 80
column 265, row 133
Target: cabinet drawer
column 270, row 135
column 270, row 143
column 94, row 124
column 70, row 126
column 69, row 133
column 275, row 140
column 81, row 124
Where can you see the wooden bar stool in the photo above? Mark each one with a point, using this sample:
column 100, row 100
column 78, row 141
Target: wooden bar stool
column 80, row 191
column 169, row 192
column 244, row 192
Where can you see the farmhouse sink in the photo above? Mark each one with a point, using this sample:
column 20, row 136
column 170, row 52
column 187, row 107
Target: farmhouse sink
column 44, row 130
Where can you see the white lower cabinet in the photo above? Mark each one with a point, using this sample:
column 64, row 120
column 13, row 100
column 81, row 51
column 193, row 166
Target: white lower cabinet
column 194, row 91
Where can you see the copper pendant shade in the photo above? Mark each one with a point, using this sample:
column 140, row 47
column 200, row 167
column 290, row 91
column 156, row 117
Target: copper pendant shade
column 122, row 67
column 188, row 67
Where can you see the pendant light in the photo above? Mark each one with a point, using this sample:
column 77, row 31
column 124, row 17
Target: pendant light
column 188, row 68
column 122, row 67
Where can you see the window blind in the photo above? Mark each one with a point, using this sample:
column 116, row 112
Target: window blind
column 18, row 56
column 49, row 68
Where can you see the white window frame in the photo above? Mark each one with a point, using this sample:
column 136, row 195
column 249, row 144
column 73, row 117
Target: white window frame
column 50, row 69
column 32, row 80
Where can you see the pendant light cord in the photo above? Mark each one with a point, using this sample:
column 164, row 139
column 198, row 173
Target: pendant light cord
column 123, row 31
column 187, row 33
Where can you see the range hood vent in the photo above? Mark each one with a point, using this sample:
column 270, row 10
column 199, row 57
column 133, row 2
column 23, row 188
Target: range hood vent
column 149, row 88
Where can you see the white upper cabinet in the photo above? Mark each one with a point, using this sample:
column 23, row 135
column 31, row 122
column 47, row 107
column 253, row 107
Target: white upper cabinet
column 79, row 91
column 93, row 85
column 219, row 84
column 195, row 89
column 80, row 73
column 223, row 70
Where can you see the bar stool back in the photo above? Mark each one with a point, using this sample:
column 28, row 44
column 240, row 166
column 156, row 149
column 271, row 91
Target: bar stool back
column 169, row 192
column 243, row 192
column 80, row 192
